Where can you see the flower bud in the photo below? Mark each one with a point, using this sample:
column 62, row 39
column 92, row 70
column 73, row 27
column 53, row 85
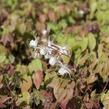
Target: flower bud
column 44, row 32
column 43, row 51
column 81, row 13
column 33, row 43
column 52, row 61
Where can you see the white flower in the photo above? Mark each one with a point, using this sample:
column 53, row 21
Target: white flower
column 49, row 43
column 47, row 56
column 33, row 43
column 81, row 12
column 53, row 61
column 64, row 70
column 64, row 50
column 44, row 32
column 49, row 50
column 43, row 51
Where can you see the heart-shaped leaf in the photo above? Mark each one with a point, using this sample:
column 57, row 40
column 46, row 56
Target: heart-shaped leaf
column 35, row 65
column 38, row 78
column 92, row 41
column 23, row 98
column 61, row 90
column 1, row 78
column 105, row 99
column 66, row 59
column 91, row 79
column 83, row 43
column 66, row 96
column 26, row 83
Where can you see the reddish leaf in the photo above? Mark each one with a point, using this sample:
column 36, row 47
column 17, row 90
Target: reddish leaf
column 3, row 99
column 48, row 99
column 64, row 103
column 40, row 26
column 42, row 18
column 7, row 40
column 60, row 92
column 26, row 107
column 52, row 16
column 1, row 78
column 69, row 94
column 10, row 69
column 2, row 106
column 37, row 78
column 3, row 16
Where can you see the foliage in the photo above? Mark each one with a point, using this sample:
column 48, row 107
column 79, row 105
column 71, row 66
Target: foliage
column 80, row 25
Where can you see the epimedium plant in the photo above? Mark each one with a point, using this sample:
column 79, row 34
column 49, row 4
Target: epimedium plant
column 54, row 54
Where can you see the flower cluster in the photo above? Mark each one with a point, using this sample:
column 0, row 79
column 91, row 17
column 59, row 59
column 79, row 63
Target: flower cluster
column 43, row 47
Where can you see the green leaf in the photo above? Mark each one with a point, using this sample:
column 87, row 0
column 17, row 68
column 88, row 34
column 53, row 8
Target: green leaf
column 71, row 42
column 2, row 58
column 3, row 49
column 38, row 96
column 49, row 75
column 82, row 59
column 35, row 65
column 102, row 17
column 23, row 69
column 62, row 23
column 65, row 40
column 23, row 98
column 105, row 99
column 91, row 41
column 93, row 7
column 11, row 58
column 60, row 38
column 65, row 59
column 83, row 43
column 78, row 53
column 22, row 28
column 53, row 26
